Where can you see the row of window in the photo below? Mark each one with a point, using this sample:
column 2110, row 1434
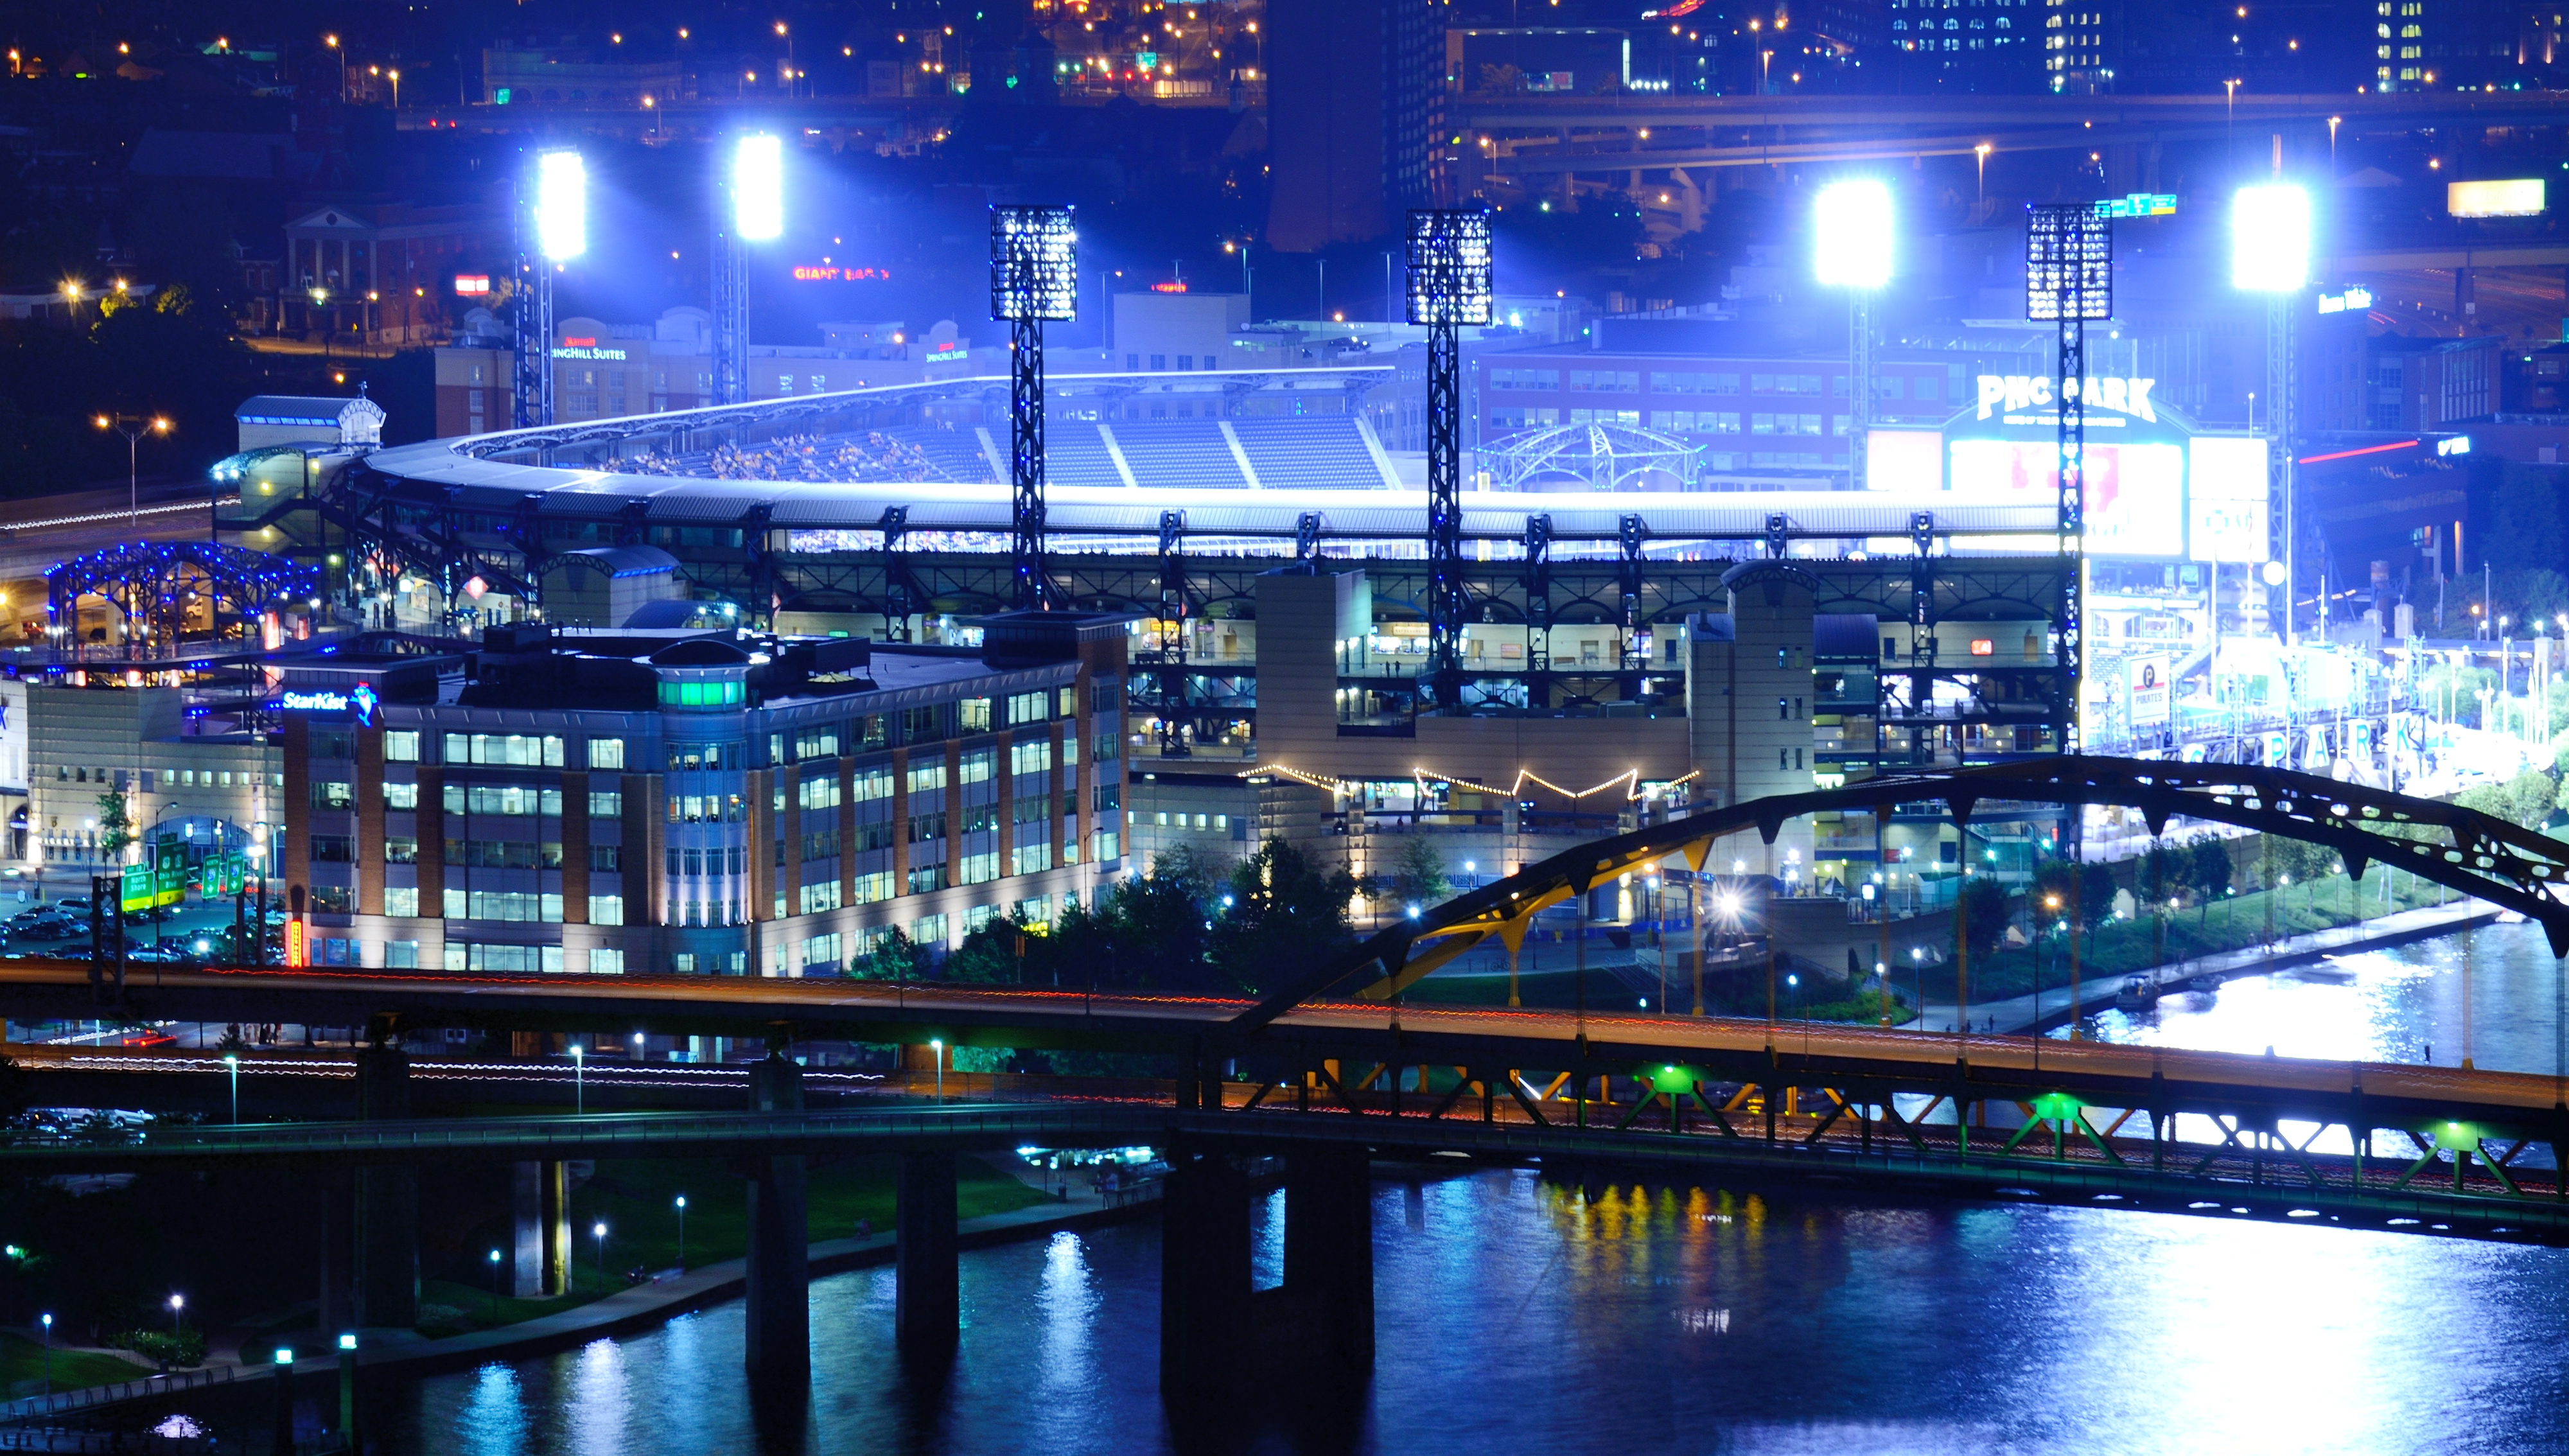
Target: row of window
column 1683, row 422
column 1629, row 381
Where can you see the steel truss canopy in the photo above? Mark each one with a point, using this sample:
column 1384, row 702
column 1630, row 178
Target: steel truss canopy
column 2462, row 849
column 1034, row 263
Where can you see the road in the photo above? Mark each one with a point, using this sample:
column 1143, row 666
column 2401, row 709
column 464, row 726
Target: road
column 1350, row 1032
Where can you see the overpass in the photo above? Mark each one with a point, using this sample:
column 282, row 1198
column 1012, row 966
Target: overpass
column 1327, row 1084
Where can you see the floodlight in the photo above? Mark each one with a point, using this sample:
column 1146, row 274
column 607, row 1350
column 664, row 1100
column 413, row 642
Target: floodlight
column 758, row 188
column 561, row 205
column 2270, row 239
column 1034, row 263
column 1449, row 265
column 2068, row 262
column 1853, row 226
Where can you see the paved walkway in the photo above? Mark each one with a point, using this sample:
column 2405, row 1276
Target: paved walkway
column 640, row 1305
column 2021, row 1014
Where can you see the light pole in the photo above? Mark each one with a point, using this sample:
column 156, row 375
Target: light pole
column 937, row 1045
column 47, row 1320
column 332, row 41
column 1981, row 158
column 579, row 1097
column 682, row 1232
column 178, row 1314
column 231, row 1064
column 134, row 428
column 599, row 1231
column 496, row 1275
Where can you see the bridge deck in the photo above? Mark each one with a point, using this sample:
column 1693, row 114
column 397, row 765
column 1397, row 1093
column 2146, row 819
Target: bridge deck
column 1746, row 1050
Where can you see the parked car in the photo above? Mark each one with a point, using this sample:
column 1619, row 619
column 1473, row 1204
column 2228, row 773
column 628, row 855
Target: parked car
column 77, row 904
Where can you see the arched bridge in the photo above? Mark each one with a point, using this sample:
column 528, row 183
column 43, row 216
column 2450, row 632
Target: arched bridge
column 2462, row 849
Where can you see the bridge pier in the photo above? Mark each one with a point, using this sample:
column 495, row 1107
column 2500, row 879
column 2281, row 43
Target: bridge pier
column 1204, row 1278
column 387, row 1202
column 540, row 1206
column 1325, row 1308
column 928, row 1301
column 778, row 1341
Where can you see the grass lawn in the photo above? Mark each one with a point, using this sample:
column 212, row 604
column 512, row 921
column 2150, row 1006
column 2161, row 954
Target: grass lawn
column 637, row 1199
column 22, row 1367
column 2227, row 925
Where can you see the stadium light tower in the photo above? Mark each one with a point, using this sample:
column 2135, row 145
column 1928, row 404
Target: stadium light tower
column 1034, row 277
column 2270, row 254
column 757, row 215
column 1852, row 250
column 1449, row 286
column 552, row 228
column 2069, row 282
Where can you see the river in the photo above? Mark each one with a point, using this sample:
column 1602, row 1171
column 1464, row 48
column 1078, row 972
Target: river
column 1512, row 1316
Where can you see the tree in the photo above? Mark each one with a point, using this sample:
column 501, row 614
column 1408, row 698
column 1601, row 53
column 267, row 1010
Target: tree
column 1286, row 916
column 993, row 954
column 1985, row 914
column 114, row 824
column 1418, row 873
column 2208, row 874
column 2096, row 899
column 894, row 957
column 2164, row 875
column 1147, row 932
column 2525, row 800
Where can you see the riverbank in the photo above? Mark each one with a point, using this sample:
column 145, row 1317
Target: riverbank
column 2057, row 1007
column 627, row 1309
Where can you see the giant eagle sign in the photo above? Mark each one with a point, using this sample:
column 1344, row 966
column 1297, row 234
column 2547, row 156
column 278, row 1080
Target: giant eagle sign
column 2014, row 393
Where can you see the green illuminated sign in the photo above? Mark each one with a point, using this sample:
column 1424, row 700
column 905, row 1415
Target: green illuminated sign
column 2138, row 204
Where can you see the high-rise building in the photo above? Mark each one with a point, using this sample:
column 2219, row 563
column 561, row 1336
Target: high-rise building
column 1357, row 97
column 2079, row 41
column 1987, row 46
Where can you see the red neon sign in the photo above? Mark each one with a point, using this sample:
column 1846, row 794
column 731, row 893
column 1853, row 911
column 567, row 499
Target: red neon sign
column 294, row 946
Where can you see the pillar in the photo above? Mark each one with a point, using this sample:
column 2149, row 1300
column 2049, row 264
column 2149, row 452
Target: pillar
column 338, row 1249
column 387, row 1202
column 778, row 1342
column 1204, row 1278
column 1329, row 1253
column 928, row 1309
column 540, row 1218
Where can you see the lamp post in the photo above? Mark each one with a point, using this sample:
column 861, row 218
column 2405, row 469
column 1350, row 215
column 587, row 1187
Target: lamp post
column 682, row 1232
column 178, row 1313
column 599, row 1229
column 937, row 1045
column 332, row 41
column 47, row 1320
column 496, row 1275
column 134, row 428
column 579, row 1097
column 1981, row 157
column 232, row 1063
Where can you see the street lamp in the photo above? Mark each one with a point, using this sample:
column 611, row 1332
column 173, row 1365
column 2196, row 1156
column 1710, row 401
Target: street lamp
column 494, row 1285
column 1981, row 156
column 599, row 1231
column 395, row 78
column 938, row 1046
column 134, row 428
column 178, row 1313
column 232, row 1063
column 579, row 1097
column 682, row 1232
column 47, row 1320
column 332, row 41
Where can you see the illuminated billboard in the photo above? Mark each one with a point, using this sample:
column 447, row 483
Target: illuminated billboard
column 2520, row 198
column 1904, row 460
column 2135, row 492
column 2225, row 504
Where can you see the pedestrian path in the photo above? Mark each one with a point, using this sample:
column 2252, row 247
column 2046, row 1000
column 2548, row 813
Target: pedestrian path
column 2055, row 1006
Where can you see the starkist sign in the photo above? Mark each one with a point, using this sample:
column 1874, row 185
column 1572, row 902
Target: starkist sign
column 2015, row 392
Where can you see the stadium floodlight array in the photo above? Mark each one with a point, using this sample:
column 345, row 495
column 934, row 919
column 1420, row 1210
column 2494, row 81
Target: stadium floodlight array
column 1851, row 234
column 2270, row 239
column 2069, row 264
column 758, row 188
column 1449, row 266
column 561, row 205
column 1034, row 263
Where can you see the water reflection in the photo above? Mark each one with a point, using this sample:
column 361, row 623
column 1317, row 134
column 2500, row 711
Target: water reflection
column 1516, row 1312
column 2379, row 1006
